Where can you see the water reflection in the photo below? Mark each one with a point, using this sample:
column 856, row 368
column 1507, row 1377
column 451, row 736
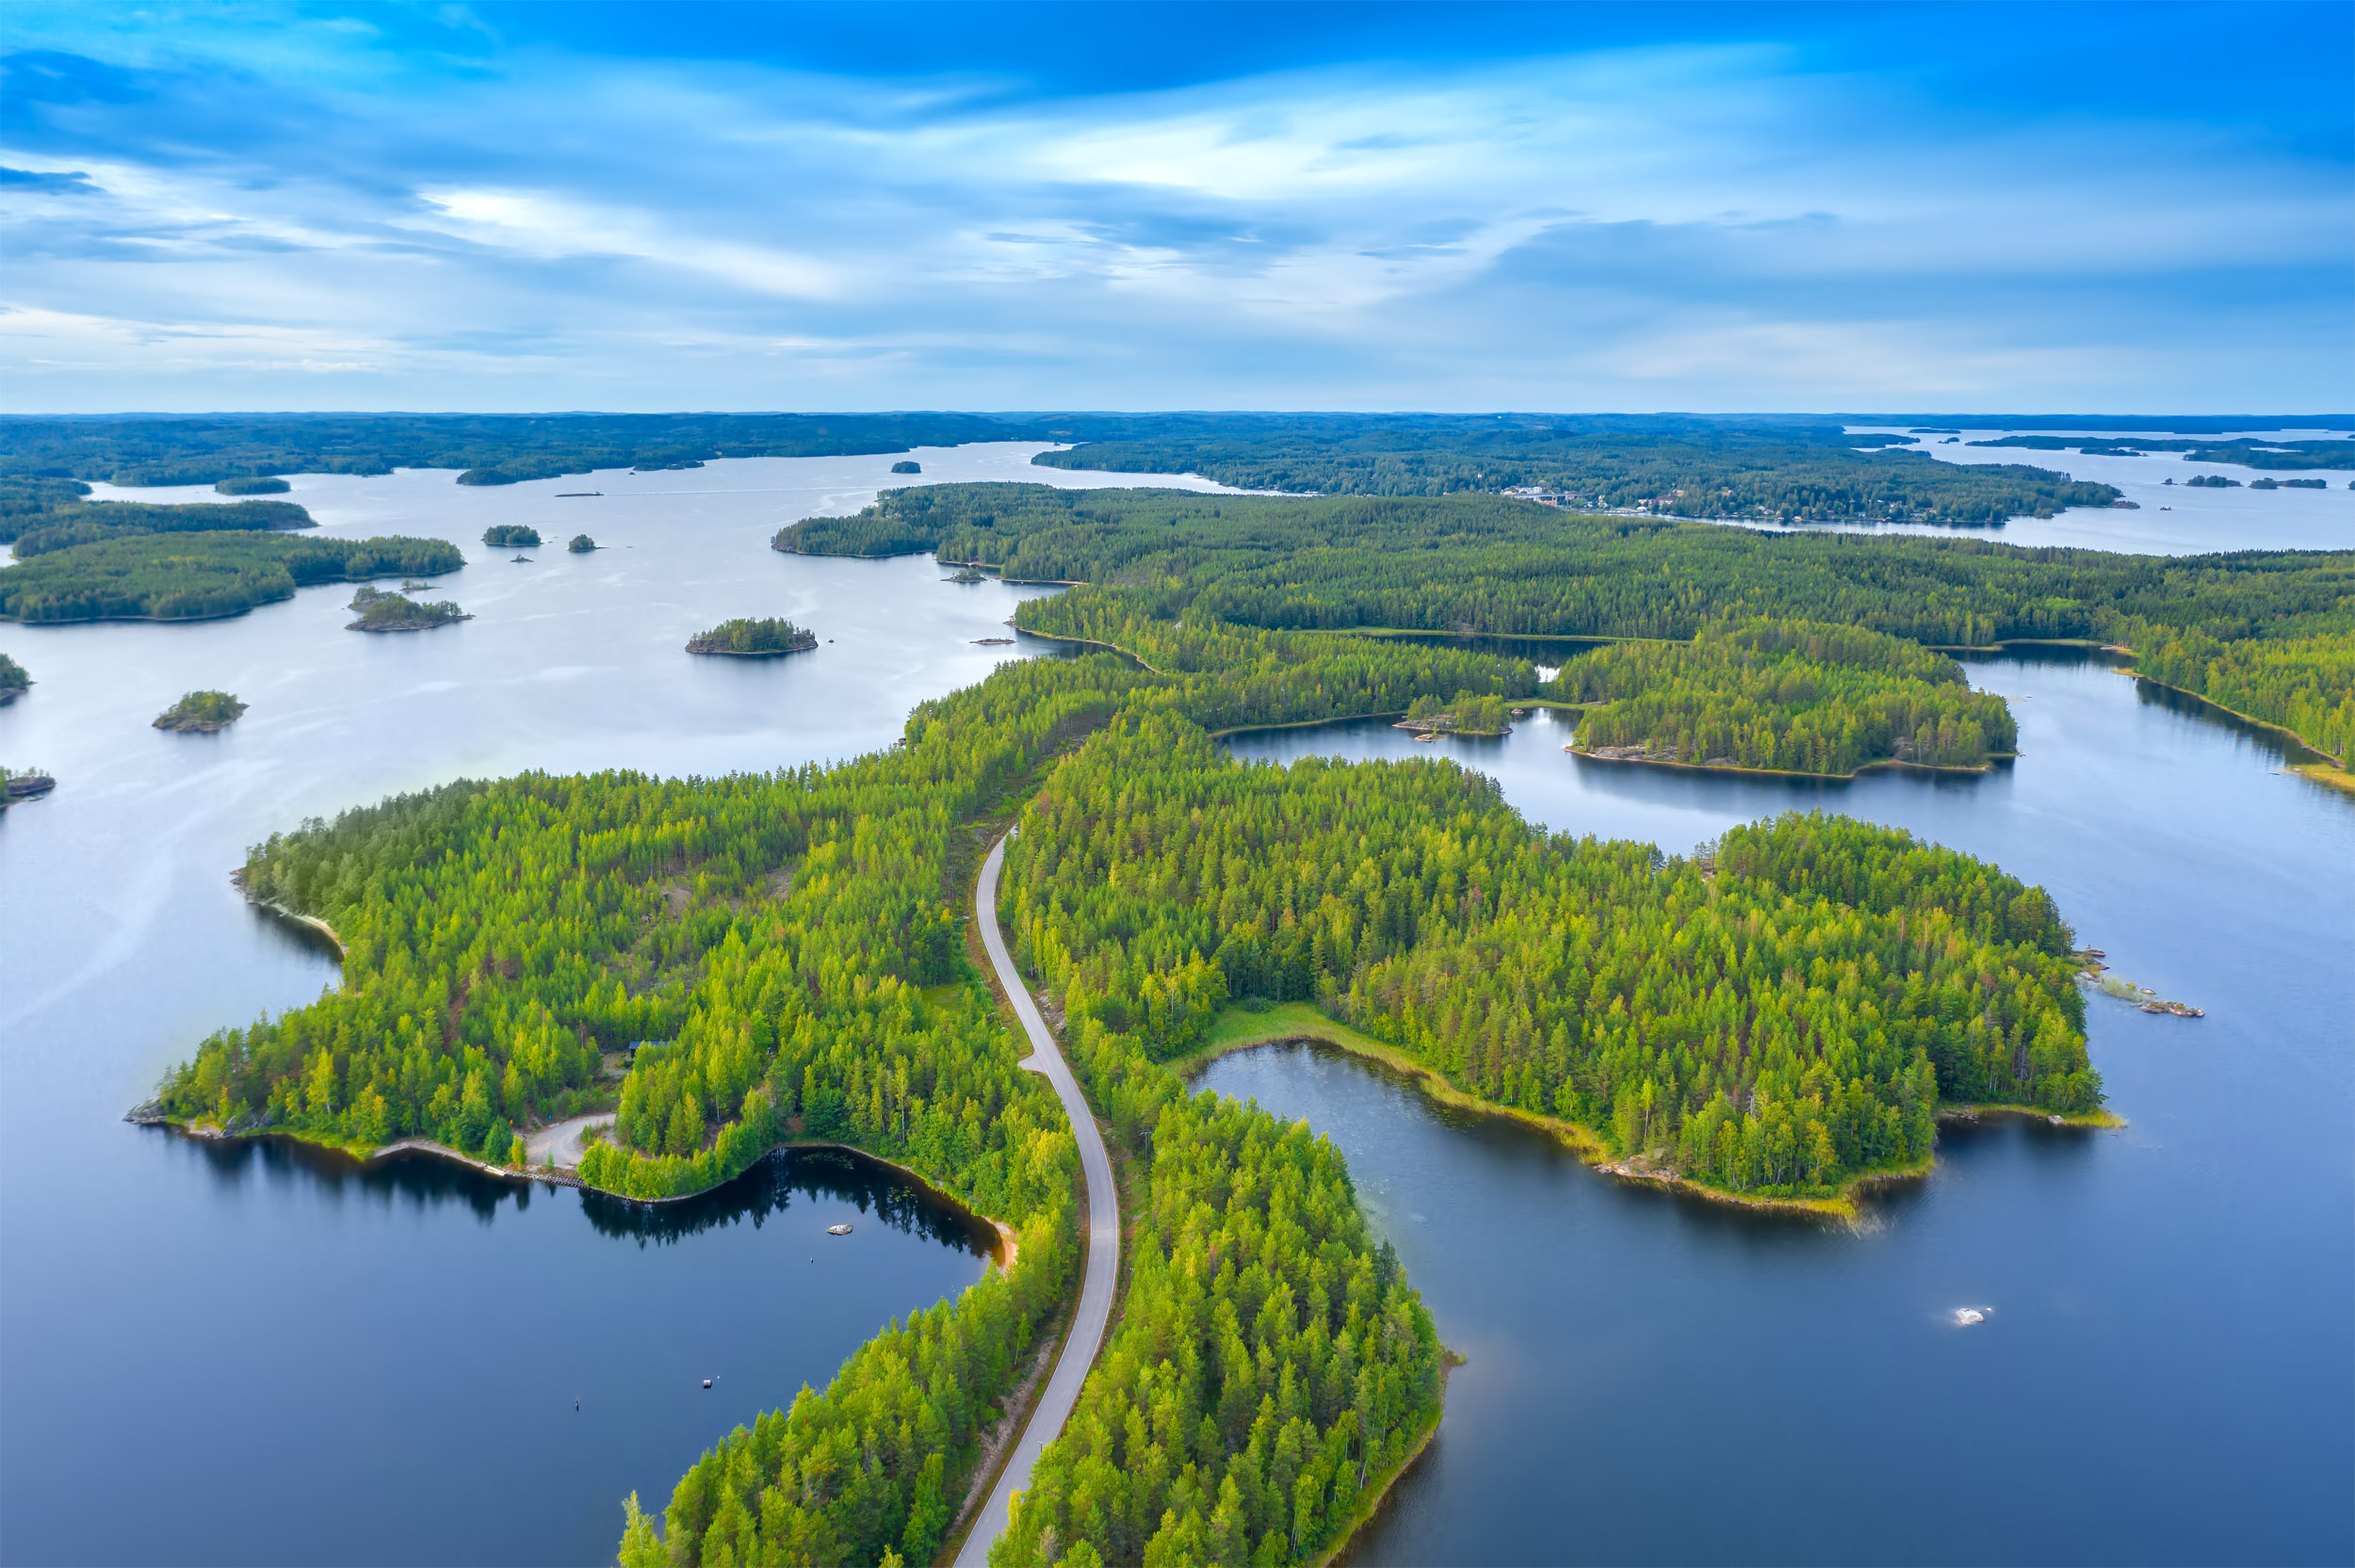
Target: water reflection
column 884, row 1196
column 419, row 1181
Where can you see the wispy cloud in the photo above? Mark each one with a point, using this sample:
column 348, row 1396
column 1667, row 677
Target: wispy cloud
column 376, row 210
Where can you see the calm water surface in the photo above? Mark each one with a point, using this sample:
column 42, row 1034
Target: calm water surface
column 2167, row 1375
column 2171, row 518
column 262, row 1355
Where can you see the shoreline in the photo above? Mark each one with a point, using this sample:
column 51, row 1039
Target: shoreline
column 272, row 906
column 1379, row 1486
column 2330, row 760
column 1788, row 773
column 1302, row 1024
column 1002, row 1250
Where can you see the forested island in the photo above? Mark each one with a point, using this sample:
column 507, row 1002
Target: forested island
column 201, row 712
column 14, row 681
column 754, row 639
column 511, row 536
column 383, row 610
column 190, row 577
column 1470, row 713
column 904, row 467
column 580, row 544
column 259, row 485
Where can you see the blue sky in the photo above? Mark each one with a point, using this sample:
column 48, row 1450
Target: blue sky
column 2123, row 207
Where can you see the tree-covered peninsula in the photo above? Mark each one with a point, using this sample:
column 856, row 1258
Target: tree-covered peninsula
column 201, row 712
column 753, row 639
column 1789, row 696
column 183, row 577
column 14, row 680
column 1772, row 1018
column 62, row 528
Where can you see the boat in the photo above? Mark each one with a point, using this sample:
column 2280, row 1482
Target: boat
column 576, row 495
column 838, row 1229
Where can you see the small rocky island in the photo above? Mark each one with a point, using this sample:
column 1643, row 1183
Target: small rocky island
column 381, row 610
column 511, row 536
column 581, row 544
column 906, row 467
column 752, row 639
column 22, row 784
column 969, row 573
column 201, row 712
column 1468, row 715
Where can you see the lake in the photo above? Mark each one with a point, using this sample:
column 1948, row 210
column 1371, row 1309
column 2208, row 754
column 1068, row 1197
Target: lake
column 292, row 1359
column 264, row 1354
column 2167, row 518
column 2168, row 1375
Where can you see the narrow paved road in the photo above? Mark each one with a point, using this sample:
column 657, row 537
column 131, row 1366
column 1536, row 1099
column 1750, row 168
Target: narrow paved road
column 1095, row 1292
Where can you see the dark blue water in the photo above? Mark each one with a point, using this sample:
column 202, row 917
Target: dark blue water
column 2169, row 1374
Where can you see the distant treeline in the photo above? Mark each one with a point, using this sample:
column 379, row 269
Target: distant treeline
column 489, row 449
column 1788, row 472
column 1797, row 468
column 2279, row 456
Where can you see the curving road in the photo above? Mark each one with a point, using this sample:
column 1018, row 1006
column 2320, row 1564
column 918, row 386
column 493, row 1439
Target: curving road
column 1103, row 1267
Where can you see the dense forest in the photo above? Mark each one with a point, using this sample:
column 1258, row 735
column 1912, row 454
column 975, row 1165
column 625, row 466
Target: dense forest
column 192, row 576
column 1785, row 472
column 1795, row 696
column 753, row 639
column 1773, row 1018
column 1490, row 565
